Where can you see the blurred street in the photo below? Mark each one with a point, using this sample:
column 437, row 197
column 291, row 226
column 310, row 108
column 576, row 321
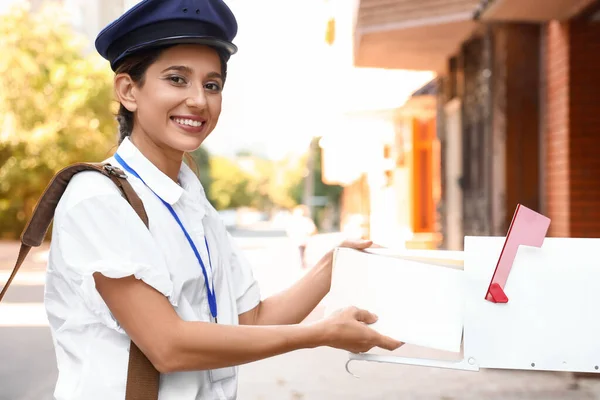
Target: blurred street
column 28, row 372
column 422, row 122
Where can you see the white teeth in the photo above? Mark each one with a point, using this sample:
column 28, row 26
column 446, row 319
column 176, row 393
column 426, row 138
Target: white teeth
column 188, row 122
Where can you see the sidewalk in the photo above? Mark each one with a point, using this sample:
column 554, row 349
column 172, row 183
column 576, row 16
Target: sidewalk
column 38, row 256
column 36, row 260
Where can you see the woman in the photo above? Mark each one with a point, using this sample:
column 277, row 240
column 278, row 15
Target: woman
column 180, row 289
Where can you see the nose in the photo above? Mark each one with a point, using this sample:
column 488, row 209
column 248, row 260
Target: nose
column 197, row 98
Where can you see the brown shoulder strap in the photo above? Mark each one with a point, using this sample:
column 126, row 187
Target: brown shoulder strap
column 142, row 377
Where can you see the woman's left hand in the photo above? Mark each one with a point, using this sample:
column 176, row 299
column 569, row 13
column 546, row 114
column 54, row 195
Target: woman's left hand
column 357, row 244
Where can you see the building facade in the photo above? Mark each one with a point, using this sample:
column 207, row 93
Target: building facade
column 517, row 107
column 389, row 168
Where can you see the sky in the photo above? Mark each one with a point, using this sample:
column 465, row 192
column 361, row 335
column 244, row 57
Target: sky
column 286, row 85
column 4, row 4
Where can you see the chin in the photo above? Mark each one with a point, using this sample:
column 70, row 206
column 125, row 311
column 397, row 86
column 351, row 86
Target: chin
column 187, row 143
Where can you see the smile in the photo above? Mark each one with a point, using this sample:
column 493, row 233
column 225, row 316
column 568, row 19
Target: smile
column 189, row 122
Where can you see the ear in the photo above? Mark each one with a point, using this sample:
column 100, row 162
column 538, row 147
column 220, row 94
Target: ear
column 125, row 91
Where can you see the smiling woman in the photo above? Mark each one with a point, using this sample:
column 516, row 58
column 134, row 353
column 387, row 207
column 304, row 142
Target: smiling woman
column 136, row 66
column 134, row 69
column 169, row 295
column 152, row 85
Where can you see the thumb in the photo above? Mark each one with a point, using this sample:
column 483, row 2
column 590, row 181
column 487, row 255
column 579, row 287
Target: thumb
column 358, row 244
column 365, row 316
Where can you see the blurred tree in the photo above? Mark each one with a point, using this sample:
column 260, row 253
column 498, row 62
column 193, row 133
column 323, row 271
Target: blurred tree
column 230, row 185
column 201, row 158
column 250, row 181
column 332, row 192
column 244, row 153
column 55, row 108
column 287, row 182
column 261, row 173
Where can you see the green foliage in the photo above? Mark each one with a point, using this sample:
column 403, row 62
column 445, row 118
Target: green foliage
column 260, row 172
column 332, row 192
column 249, row 181
column 55, row 109
column 243, row 153
column 201, row 158
column 287, row 183
column 230, row 184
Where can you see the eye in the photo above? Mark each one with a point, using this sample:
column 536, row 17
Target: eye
column 178, row 80
column 213, row 87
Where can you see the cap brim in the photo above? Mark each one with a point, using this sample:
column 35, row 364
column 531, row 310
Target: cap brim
column 229, row 47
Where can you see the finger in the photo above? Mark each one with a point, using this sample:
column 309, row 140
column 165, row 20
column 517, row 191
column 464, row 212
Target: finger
column 357, row 244
column 365, row 316
column 387, row 343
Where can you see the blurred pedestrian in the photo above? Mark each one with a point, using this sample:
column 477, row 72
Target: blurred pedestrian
column 299, row 229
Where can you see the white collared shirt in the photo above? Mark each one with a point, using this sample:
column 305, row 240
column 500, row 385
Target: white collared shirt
column 96, row 230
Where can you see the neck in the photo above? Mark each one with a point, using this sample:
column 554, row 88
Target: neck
column 166, row 159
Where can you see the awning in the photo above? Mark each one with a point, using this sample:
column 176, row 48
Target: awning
column 531, row 10
column 411, row 34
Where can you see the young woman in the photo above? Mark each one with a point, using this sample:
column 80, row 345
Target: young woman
column 180, row 289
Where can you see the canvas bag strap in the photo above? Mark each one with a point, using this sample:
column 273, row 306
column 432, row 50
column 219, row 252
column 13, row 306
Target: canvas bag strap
column 142, row 377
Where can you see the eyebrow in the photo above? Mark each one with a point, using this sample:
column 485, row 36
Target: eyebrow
column 180, row 68
column 188, row 70
column 214, row 75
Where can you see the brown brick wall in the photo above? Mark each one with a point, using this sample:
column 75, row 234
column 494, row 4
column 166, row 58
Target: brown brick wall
column 501, row 168
column 556, row 81
column 522, row 119
column 572, row 128
column 516, row 118
column 584, row 127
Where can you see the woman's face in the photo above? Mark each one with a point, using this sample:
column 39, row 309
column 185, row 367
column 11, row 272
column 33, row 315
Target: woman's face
column 179, row 103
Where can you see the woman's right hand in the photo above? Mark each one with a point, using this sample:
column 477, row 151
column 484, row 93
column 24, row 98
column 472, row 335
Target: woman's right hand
column 348, row 330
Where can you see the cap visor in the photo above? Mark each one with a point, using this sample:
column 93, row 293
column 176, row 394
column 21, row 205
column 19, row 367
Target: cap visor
column 206, row 41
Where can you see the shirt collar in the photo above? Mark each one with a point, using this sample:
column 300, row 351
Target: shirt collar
column 189, row 181
column 192, row 190
column 154, row 178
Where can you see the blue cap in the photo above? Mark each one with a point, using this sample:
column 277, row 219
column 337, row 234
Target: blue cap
column 155, row 23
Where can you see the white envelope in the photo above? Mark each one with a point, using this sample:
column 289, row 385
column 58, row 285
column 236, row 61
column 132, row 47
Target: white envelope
column 417, row 303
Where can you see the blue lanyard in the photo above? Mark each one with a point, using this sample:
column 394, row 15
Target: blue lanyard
column 212, row 299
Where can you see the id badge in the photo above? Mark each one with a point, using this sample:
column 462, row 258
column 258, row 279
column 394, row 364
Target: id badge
column 217, row 375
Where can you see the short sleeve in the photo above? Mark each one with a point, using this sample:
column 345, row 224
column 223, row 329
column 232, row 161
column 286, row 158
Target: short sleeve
column 102, row 233
column 246, row 288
